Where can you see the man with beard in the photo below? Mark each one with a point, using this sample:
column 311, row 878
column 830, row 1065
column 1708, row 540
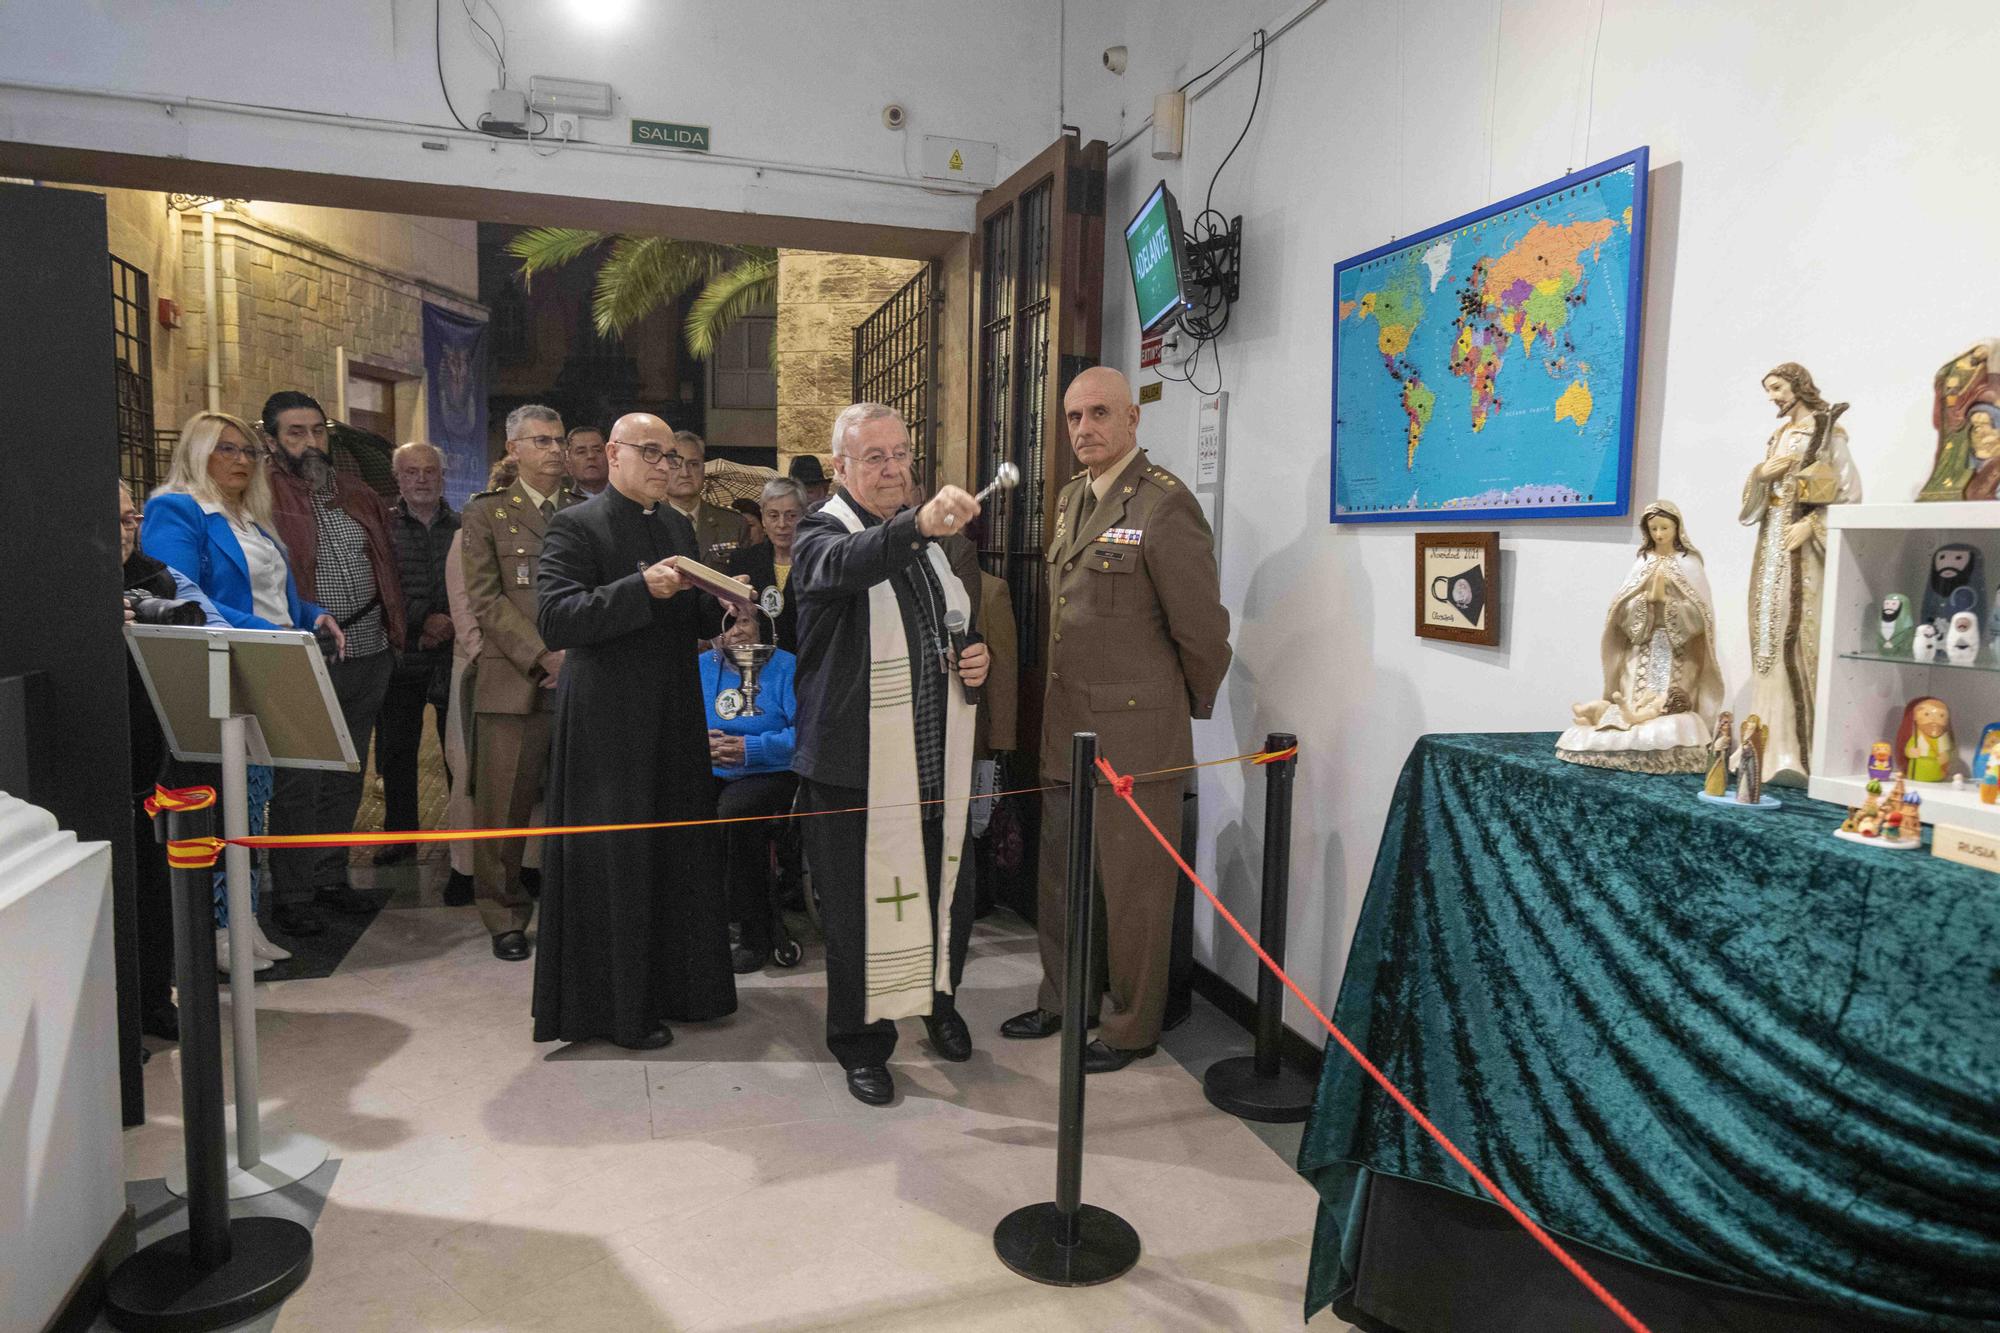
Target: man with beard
column 884, row 724
column 635, row 926
column 1957, row 583
column 336, row 530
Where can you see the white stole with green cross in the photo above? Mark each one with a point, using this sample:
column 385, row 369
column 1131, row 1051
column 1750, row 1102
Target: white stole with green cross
column 908, row 950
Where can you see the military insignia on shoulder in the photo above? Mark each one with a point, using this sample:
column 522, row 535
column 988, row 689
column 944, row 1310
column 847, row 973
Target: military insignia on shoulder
column 1122, row 536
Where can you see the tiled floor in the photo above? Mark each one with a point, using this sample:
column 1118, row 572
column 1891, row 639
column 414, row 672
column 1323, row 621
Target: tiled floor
column 729, row 1182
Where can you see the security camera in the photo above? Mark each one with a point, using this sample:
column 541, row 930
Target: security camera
column 1114, row 59
column 893, row 116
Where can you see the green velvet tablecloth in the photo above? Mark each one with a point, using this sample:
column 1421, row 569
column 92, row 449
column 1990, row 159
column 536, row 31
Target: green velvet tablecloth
column 1713, row 1040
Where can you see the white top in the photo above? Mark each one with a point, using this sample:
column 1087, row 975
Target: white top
column 266, row 564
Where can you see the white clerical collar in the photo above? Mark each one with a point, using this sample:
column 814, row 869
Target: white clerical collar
column 1102, row 485
column 535, row 497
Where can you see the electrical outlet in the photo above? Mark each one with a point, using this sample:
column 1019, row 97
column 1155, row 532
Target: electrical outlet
column 562, row 125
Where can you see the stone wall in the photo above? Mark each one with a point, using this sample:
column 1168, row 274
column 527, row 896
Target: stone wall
column 821, row 298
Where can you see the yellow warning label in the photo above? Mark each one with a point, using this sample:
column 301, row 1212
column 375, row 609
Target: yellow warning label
column 957, row 162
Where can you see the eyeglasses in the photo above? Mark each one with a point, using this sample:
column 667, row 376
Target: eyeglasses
column 875, row 460
column 543, row 442
column 654, row 456
column 248, row 453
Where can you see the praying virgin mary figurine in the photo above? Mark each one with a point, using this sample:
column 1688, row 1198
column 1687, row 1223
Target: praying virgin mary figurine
column 1662, row 687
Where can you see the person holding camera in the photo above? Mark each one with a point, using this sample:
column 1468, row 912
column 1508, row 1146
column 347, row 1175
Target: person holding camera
column 211, row 520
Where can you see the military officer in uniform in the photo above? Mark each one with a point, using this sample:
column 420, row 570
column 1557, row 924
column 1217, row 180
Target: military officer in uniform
column 719, row 532
column 1138, row 644
column 514, row 687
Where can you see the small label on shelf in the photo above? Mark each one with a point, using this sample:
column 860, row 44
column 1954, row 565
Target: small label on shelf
column 1966, row 847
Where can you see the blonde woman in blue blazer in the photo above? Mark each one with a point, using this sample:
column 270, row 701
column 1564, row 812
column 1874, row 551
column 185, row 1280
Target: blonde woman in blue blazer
column 211, row 520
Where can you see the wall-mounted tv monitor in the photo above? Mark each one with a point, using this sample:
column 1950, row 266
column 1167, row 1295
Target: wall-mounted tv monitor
column 1156, row 248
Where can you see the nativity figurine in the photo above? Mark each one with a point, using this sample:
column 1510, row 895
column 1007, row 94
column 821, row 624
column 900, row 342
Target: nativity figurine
column 1924, row 740
column 1662, row 687
column 1806, row 467
column 1965, row 410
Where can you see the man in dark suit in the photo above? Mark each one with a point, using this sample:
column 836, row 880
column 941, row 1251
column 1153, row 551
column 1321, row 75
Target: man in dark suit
column 514, row 689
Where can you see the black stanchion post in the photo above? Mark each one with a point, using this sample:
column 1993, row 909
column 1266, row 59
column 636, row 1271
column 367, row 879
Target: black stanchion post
column 1069, row 1243
column 1259, row 1087
column 218, row 1272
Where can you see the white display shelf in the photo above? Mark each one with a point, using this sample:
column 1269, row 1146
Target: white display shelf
column 1943, row 803
column 1914, row 516
column 1872, row 551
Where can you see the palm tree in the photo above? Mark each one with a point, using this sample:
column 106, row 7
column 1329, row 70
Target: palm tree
column 640, row 274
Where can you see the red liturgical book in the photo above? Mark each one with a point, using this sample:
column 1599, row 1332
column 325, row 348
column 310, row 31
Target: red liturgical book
column 713, row 581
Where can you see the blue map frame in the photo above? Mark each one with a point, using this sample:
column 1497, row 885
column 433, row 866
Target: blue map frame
column 1528, row 496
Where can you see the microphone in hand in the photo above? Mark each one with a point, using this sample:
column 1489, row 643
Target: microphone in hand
column 954, row 625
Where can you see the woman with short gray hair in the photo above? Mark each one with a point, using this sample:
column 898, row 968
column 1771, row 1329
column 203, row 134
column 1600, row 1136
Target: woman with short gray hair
column 767, row 566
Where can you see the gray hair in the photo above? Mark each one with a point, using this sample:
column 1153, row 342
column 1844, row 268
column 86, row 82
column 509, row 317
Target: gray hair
column 852, row 416
column 784, row 488
column 689, row 437
column 404, row 451
column 527, row 412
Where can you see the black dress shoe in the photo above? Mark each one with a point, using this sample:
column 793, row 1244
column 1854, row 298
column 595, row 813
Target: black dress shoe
column 458, row 890
column 343, row 899
column 872, row 1084
column 1035, row 1023
column 950, row 1038
column 652, row 1041
column 162, row 1021
column 511, row 946
column 1101, row 1059
column 395, row 854
column 744, row 961
column 531, row 882
column 296, row 919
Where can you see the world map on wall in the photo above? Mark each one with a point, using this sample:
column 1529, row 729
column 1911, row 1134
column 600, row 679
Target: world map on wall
column 1483, row 367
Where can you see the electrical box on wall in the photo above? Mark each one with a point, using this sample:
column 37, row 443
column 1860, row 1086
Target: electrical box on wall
column 959, row 160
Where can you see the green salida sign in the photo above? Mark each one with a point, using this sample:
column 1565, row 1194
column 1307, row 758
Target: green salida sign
column 666, row 134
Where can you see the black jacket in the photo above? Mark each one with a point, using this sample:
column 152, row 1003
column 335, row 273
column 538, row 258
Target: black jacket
column 758, row 566
column 832, row 571
column 149, row 743
column 420, row 554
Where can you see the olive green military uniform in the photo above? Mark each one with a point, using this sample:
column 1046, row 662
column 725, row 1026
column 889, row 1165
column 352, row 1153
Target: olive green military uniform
column 1138, row 644
column 501, row 548
column 719, row 533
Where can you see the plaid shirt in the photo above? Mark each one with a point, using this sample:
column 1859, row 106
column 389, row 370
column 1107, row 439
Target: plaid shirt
column 346, row 580
column 923, row 605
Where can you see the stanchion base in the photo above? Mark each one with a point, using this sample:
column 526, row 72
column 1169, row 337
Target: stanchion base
column 1029, row 1241
column 286, row 1160
column 159, row 1289
column 1235, row 1086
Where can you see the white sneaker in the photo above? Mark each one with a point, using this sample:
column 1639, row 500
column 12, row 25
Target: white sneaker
column 222, row 954
column 260, row 944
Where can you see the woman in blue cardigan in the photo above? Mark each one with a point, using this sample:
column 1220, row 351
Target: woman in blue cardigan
column 211, row 520
column 752, row 759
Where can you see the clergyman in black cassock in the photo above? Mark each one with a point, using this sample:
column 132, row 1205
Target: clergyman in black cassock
column 634, row 927
column 883, row 724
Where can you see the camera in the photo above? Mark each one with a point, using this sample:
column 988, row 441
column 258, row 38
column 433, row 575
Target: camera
column 150, row 610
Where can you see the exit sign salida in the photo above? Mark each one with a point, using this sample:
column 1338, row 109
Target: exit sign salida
column 666, row 134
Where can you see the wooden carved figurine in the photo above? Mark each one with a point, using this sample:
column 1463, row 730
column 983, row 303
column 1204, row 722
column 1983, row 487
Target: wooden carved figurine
column 1965, row 410
column 1924, row 739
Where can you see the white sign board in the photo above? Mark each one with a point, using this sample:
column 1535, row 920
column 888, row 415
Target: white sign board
column 1210, row 417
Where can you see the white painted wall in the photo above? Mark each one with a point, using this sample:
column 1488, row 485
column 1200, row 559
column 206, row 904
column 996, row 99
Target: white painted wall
column 785, row 83
column 1823, row 193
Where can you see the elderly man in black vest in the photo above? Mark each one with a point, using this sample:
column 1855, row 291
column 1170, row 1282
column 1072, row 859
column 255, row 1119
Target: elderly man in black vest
column 884, row 723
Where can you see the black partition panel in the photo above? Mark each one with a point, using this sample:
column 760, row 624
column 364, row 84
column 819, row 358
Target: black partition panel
column 59, row 612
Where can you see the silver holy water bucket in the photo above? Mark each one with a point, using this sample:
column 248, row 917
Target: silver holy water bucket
column 749, row 660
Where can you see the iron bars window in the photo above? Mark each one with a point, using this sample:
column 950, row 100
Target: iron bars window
column 132, row 354
column 895, row 363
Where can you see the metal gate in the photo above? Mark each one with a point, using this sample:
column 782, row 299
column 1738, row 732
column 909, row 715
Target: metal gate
column 1013, row 403
column 132, row 355
column 895, row 363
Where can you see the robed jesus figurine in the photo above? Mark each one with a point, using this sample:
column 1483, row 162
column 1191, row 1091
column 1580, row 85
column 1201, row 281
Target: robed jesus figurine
column 634, row 931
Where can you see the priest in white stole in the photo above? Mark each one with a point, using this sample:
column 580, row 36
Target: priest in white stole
column 884, row 724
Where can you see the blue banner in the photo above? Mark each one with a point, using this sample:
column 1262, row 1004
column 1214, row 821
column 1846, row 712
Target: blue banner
column 455, row 371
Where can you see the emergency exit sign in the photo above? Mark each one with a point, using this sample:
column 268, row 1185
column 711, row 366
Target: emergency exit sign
column 666, row 134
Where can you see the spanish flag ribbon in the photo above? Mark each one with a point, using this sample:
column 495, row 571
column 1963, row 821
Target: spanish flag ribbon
column 178, row 798
column 193, row 853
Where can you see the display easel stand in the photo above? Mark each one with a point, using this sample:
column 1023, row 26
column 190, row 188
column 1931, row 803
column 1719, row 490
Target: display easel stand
column 1069, row 1243
column 218, row 1271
